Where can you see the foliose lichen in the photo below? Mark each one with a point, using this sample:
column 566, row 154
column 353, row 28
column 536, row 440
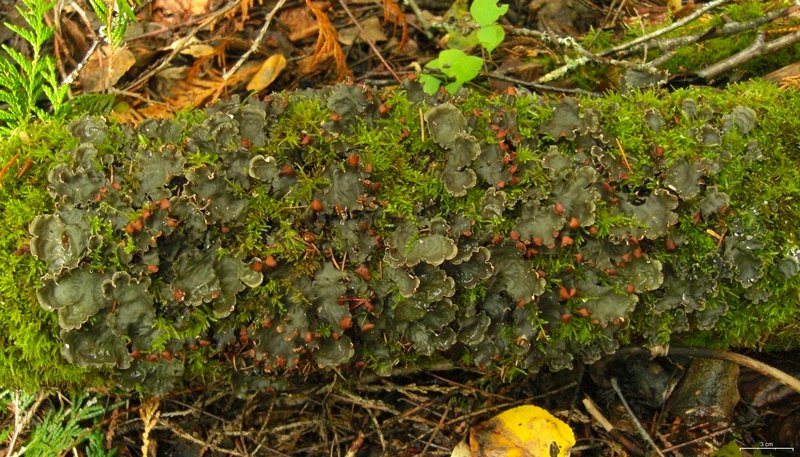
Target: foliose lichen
column 284, row 235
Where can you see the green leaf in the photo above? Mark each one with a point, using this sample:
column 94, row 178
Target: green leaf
column 430, row 83
column 459, row 65
column 453, row 87
column 491, row 36
column 456, row 40
column 486, row 12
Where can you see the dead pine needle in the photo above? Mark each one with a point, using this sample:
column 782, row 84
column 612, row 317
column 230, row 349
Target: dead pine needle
column 624, row 158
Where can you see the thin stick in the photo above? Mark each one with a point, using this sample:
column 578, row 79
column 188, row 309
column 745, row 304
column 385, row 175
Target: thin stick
column 757, row 49
column 594, row 411
column 181, row 42
column 369, row 42
column 698, row 439
column 75, row 71
column 728, row 29
column 20, row 421
column 624, row 158
column 635, row 420
column 356, row 445
column 675, row 25
column 256, row 43
column 542, row 87
column 189, row 437
column 423, row 21
column 436, row 429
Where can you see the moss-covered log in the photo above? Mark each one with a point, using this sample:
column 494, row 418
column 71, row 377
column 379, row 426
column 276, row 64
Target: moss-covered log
column 352, row 227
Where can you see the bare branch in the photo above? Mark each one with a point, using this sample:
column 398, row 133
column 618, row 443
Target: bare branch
column 728, row 29
column 675, row 25
column 256, row 43
column 759, row 48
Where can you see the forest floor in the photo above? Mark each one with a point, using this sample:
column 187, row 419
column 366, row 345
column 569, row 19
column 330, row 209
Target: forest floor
column 190, row 53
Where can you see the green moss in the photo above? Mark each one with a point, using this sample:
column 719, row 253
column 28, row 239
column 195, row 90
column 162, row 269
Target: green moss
column 500, row 301
column 30, row 358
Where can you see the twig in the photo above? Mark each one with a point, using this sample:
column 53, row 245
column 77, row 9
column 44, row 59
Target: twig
column 349, row 397
column 369, row 42
column 256, row 43
column 698, row 439
column 663, row 58
column 645, row 67
column 378, row 430
column 594, row 411
column 564, row 69
column 542, row 87
column 181, row 42
column 741, row 360
column 521, row 31
column 356, row 445
column 333, row 259
column 759, row 48
column 635, row 420
column 423, row 21
column 20, row 421
column 675, row 25
column 436, row 429
column 189, row 437
column 588, row 57
column 728, row 29
column 74, row 73
column 624, row 158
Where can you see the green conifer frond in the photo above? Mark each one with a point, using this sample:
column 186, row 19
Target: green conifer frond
column 26, row 81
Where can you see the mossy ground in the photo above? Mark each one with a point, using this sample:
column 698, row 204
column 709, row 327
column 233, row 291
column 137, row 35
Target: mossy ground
column 764, row 194
column 31, row 355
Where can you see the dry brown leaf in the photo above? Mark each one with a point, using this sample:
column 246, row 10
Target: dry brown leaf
column 104, row 68
column 268, row 72
column 300, row 22
column 171, row 12
column 372, row 29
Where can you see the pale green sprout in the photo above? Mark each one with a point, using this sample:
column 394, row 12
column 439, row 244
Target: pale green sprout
column 458, row 66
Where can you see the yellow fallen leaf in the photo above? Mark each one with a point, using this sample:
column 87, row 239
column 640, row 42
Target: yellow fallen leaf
column 524, row 431
column 268, row 72
column 461, row 450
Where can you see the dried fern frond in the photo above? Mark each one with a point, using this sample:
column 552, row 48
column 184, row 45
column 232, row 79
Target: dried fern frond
column 790, row 82
column 392, row 13
column 327, row 43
